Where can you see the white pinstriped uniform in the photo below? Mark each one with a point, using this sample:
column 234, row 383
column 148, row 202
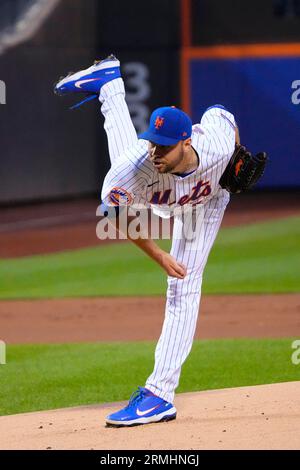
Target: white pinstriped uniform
column 132, row 171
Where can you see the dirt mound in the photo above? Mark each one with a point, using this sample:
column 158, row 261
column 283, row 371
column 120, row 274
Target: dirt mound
column 260, row 417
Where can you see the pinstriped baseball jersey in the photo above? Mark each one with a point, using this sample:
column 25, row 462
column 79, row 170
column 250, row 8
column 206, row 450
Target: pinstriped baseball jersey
column 133, row 179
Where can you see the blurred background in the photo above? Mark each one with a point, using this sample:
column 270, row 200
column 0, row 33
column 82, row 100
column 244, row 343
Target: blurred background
column 58, row 282
column 190, row 53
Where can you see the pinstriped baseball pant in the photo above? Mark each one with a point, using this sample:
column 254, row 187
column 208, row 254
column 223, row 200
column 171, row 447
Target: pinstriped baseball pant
column 183, row 296
column 183, row 300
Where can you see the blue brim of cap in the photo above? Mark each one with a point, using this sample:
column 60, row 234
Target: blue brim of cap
column 158, row 139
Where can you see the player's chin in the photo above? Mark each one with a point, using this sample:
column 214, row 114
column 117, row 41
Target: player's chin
column 160, row 167
column 163, row 170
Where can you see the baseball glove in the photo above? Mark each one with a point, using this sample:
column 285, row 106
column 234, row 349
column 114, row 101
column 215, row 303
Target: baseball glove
column 243, row 170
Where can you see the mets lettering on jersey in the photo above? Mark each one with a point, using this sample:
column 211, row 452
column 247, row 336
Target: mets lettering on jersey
column 202, row 189
column 161, row 197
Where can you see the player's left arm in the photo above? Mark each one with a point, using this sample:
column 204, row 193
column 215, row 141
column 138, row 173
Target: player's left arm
column 242, row 170
column 237, row 136
column 220, row 117
column 221, row 130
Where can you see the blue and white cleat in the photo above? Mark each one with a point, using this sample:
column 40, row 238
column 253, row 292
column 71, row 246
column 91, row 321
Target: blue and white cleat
column 90, row 80
column 143, row 408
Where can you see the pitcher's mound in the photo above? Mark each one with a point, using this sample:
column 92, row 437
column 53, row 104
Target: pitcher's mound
column 260, row 417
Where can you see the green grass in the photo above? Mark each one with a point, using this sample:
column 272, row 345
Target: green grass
column 257, row 258
column 38, row 377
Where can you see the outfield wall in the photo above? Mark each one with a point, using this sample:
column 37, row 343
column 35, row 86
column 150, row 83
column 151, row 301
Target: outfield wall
column 263, row 94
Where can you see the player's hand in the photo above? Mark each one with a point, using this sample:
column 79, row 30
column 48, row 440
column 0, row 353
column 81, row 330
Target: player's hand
column 171, row 266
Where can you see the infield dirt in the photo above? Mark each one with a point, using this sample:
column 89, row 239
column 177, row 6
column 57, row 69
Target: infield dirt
column 141, row 318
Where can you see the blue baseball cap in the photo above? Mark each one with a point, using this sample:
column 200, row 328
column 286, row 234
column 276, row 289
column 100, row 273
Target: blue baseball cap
column 168, row 125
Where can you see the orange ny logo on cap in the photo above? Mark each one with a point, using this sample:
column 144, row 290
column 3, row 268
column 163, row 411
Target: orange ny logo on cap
column 159, row 122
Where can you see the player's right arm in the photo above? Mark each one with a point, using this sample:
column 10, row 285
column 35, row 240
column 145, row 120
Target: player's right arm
column 123, row 186
column 125, row 182
column 164, row 259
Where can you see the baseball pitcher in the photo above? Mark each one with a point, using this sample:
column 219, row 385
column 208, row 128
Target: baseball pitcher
column 171, row 167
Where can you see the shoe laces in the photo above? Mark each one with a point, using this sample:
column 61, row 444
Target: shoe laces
column 136, row 397
column 109, row 57
column 89, row 97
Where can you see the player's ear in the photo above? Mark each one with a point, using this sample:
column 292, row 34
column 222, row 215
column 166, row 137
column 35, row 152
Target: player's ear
column 187, row 142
